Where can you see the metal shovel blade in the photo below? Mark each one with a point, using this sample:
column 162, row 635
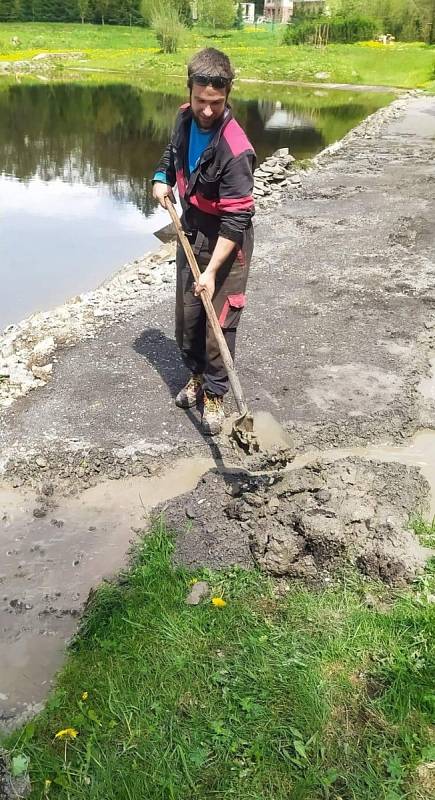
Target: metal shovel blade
column 261, row 433
column 243, row 435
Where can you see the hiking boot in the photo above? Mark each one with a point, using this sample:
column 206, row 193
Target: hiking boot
column 213, row 414
column 190, row 393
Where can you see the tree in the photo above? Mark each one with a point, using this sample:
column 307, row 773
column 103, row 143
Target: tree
column 238, row 20
column 404, row 19
column 102, row 7
column 216, row 13
column 83, row 6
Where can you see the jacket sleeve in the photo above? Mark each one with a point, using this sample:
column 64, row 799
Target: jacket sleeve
column 165, row 170
column 236, row 204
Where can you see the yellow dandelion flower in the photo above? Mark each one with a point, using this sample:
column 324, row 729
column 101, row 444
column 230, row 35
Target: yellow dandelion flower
column 67, row 733
column 85, row 696
column 219, row 602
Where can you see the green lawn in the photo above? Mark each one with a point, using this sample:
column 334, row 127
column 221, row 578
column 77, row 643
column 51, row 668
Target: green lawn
column 256, row 53
column 326, row 695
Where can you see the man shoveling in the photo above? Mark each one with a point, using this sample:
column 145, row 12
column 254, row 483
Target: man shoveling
column 211, row 160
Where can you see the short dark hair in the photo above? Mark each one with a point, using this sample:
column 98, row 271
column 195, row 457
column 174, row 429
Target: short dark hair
column 211, row 63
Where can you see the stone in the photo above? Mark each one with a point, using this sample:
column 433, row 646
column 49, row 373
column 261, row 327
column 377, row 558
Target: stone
column 199, row 591
column 42, row 352
column 39, row 512
column 322, row 76
column 273, row 504
column 43, row 373
column 190, row 512
column 283, row 151
column 146, row 278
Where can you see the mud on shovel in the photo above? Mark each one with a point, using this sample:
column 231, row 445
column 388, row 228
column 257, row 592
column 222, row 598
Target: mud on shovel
column 267, row 434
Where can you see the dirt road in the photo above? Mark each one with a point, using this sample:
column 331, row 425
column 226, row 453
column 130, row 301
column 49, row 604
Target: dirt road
column 337, row 341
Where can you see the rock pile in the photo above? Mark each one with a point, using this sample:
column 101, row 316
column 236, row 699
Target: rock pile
column 275, row 175
column 306, row 523
column 27, row 349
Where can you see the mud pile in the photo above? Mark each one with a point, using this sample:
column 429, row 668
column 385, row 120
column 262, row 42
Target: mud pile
column 306, row 523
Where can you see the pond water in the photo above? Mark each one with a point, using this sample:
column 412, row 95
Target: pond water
column 76, row 161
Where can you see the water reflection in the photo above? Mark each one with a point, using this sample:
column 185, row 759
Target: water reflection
column 75, row 167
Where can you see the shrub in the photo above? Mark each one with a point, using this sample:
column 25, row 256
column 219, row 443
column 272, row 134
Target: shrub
column 340, row 29
column 166, row 24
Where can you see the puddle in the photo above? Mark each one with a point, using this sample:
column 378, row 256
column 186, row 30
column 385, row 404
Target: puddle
column 49, row 565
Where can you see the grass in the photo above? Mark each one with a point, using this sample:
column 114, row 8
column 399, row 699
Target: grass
column 257, row 54
column 312, row 696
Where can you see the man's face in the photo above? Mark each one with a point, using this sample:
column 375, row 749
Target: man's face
column 207, row 104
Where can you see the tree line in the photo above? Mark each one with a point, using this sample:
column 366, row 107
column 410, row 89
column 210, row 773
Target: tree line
column 405, row 19
column 120, row 12
column 408, row 20
column 218, row 13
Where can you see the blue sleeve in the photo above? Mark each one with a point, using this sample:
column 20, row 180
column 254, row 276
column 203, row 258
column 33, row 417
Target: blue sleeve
column 160, row 177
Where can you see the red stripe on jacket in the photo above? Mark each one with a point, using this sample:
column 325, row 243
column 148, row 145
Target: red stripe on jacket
column 236, row 138
column 181, row 182
column 217, row 207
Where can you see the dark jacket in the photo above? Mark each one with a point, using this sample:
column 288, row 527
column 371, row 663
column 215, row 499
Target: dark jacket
column 217, row 197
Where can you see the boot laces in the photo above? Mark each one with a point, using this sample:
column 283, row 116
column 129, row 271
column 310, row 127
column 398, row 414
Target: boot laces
column 213, row 404
column 195, row 382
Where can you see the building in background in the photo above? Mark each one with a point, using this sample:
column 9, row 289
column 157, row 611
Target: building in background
column 282, row 11
column 248, row 11
column 279, row 11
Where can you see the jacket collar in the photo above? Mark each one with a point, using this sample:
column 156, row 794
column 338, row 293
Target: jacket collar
column 184, row 129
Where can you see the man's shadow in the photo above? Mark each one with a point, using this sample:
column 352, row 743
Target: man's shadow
column 163, row 355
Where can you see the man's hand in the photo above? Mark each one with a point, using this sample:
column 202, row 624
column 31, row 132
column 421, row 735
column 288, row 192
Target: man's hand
column 162, row 190
column 206, row 281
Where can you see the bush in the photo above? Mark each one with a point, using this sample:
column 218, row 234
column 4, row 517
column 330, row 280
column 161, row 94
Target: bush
column 168, row 28
column 340, row 29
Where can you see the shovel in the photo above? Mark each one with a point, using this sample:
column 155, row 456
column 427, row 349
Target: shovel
column 243, row 427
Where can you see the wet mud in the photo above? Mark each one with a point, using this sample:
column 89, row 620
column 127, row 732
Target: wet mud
column 52, row 554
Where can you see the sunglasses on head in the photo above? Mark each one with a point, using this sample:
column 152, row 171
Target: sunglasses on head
column 216, row 81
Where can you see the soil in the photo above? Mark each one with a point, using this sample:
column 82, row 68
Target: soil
column 337, row 343
column 307, row 523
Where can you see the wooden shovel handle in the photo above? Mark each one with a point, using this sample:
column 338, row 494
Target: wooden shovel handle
column 209, row 310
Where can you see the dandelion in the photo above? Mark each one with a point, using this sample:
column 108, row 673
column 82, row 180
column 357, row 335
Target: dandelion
column 85, row 695
column 219, row 602
column 67, row 733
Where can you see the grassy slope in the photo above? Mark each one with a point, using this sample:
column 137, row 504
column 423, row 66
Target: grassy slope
column 318, row 695
column 257, row 54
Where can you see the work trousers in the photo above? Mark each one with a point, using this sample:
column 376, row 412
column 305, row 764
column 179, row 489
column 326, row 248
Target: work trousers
column 193, row 333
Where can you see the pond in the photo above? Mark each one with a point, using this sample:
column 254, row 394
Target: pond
column 76, row 161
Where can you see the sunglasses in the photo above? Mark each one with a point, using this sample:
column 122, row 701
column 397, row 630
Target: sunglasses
column 216, row 81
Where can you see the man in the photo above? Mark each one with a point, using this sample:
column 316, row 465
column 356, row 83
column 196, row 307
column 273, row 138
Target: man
column 211, row 160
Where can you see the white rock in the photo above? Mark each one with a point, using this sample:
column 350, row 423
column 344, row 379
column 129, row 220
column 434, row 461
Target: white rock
column 43, row 351
column 43, row 373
